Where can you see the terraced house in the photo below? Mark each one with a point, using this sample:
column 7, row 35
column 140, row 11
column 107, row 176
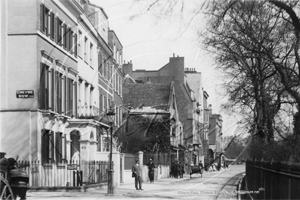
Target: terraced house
column 60, row 72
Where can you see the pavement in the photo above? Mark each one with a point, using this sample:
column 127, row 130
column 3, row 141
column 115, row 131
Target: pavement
column 162, row 188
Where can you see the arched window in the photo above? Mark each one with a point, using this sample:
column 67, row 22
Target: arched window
column 75, row 145
column 92, row 136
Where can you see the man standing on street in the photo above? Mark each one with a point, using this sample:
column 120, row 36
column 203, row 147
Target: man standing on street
column 137, row 172
column 200, row 167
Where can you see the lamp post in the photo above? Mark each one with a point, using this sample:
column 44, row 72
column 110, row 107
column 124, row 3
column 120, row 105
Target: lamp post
column 110, row 187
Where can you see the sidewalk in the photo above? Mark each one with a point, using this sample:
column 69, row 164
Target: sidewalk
column 160, row 188
column 124, row 190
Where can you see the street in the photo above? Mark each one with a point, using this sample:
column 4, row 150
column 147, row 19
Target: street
column 213, row 185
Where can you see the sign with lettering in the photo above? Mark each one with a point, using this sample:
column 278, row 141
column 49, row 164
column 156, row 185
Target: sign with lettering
column 24, row 94
column 71, row 167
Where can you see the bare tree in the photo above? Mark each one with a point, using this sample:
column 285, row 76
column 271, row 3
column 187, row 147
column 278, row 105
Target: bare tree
column 237, row 35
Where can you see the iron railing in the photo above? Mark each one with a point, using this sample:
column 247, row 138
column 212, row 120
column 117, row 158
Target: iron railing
column 66, row 174
column 265, row 180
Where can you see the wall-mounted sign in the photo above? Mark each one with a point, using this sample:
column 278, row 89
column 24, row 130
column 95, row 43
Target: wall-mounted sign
column 24, row 94
column 71, row 167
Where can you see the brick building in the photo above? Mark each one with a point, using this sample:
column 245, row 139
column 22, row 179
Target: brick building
column 188, row 104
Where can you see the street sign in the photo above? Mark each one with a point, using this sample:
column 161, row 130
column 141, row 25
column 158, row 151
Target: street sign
column 71, row 167
column 24, row 94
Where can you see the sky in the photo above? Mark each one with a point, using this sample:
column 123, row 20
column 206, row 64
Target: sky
column 149, row 38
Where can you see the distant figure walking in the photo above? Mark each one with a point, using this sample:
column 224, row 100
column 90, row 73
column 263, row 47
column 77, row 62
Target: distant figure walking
column 137, row 173
column 151, row 170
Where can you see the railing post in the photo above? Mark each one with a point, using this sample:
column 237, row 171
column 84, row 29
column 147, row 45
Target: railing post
column 74, row 178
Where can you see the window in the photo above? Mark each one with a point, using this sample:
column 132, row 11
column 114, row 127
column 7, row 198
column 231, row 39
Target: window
column 100, row 67
column 109, row 104
column 106, row 143
column 75, row 45
column 91, row 54
column 108, row 73
column 99, row 138
column 117, row 116
column 65, row 100
column 47, row 146
column 65, row 39
column 85, row 49
column 105, row 103
column 58, row 147
column 59, row 31
column 75, row 145
column 113, row 77
column 44, row 87
column 44, row 19
column 117, row 83
column 70, row 103
column 71, row 38
column 101, row 102
column 79, row 44
column 116, row 76
column 58, row 80
column 120, row 87
column 104, row 69
column 120, row 117
column 52, row 17
column 52, row 89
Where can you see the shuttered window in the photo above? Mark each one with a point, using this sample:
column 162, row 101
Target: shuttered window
column 52, row 17
column 59, row 32
column 75, row 45
column 42, row 18
column 52, row 89
column 58, row 147
column 58, row 87
column 71, row 41
column 55, row 30
column 45, row 146
column 65, row 36
column 100, row 64
column 70, row 95
column 44, row 87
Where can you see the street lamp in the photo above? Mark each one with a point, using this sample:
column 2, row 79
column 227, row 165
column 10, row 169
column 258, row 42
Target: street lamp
column 110, row 188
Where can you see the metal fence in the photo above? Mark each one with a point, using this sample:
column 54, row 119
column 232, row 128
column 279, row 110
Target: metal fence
column 67, row 174
column 158, row 158
column 129, row 160
column 265, row 180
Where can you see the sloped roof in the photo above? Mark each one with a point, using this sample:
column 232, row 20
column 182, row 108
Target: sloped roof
column 146, row 94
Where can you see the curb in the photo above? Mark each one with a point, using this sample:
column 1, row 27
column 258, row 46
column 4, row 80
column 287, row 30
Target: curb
column 239, row 185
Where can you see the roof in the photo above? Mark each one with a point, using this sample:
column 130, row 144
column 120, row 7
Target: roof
column 146, row 94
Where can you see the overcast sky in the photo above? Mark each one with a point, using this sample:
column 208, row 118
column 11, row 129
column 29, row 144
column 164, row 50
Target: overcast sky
column 149, row 39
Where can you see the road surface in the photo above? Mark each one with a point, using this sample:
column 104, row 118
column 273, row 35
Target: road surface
column 212, row 186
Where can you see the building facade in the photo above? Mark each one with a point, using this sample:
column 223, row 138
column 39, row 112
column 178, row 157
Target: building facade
column 59, row 75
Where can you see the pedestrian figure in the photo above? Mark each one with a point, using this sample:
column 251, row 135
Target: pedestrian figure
column 172, row 173
column 200, row 167
column 137, row 173
column 151, row 169
column 176, row 168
